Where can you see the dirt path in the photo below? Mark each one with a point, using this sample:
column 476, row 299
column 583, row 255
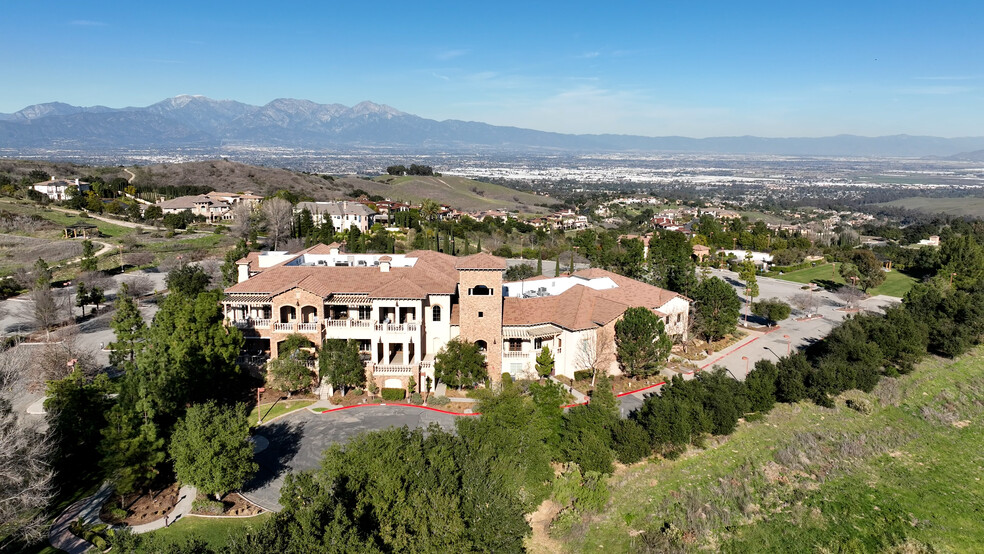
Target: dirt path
column 119, row 222
column 132, row 176
column 541, row 541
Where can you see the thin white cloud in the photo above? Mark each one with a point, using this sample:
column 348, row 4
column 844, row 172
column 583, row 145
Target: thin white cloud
column 88, row 23
column 589, row 55
column 939, row 90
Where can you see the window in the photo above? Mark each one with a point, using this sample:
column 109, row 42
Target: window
column 365, row 312
column 482, row 345
column 436, row 313
column 679, row 317
column 480, row 290
column 560, row 345
column 481, row 314
column 515, row 345
column 537, row 343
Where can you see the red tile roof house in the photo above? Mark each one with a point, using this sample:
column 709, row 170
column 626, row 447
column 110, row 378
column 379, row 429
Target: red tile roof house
column 403, row 309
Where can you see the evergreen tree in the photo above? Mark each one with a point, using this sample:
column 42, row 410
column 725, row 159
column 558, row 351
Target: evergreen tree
column 88, row 261
column 642, row 345
column 460, row 364
column 211, row 450
column 544, row 362
column 341, row 364
column 129, row 327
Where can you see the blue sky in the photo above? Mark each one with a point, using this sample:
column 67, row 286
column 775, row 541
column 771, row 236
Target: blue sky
column 651, row 68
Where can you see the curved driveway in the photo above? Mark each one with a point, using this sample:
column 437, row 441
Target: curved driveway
column 298, row 439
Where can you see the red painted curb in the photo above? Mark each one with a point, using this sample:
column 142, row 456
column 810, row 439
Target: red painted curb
column 640, row 390
column 723, row 356
column 397, row 404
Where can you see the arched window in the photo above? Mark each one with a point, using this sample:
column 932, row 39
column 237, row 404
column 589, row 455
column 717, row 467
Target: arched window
column 482, row 345
column 480, row 290
column 437, row 313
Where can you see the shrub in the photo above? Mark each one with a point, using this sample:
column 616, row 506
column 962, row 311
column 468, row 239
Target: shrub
column 393, row 395
column 582, row 375
column 416, row 399
column 439, row 401
column 860, row 405
column 631, row 441
column 358, row 392
column 208, row 506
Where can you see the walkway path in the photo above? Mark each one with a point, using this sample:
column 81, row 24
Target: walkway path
column 88, row 509
column 119, row 222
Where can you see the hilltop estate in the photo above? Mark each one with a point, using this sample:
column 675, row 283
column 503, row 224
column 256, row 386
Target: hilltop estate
column 403, row 308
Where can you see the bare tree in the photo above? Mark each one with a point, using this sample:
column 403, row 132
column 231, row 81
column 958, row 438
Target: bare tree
column 138, row 286
column 850, row 296
column 278, row 214
column 242, row 220
column 806, row 302
column 213, row 268
column 57, row 360
column 595, row 352
column 293, row 245
column 26, row 476
column 137, row 259
column 49, row 309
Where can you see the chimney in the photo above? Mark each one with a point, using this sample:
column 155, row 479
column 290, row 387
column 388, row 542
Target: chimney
column 384, row 264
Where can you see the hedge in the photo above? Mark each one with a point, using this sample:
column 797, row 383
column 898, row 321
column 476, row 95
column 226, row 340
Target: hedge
column 582, row 375
column 393, row 394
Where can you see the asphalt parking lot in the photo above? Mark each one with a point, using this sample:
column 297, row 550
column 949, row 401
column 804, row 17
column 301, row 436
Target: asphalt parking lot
column 297, row 441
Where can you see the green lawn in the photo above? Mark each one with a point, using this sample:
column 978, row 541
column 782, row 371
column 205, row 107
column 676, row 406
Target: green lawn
column 279, row 408
column 809, row 479
column 214, row 531
column 896, row 283
column 61, row 218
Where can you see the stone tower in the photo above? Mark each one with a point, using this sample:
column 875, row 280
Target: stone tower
column 480, row 305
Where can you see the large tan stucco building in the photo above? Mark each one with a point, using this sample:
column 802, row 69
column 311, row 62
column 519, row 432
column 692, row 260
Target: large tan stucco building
column 403, row 308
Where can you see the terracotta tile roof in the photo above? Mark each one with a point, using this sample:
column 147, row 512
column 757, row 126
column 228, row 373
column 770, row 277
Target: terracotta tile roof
column 253, row 259
column 433, row 273
column 580, row 307
column 481, row 261
column 401, row 288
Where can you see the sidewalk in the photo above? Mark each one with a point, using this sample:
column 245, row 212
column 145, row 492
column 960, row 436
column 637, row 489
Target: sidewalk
column 88, row 509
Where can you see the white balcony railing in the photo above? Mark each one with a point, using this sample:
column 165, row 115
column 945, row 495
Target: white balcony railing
column 284, row 327
column 345, row 323
column 251, row 323
column 395, row 369
column 397, row 327
column 508, row 354
column 308, row 327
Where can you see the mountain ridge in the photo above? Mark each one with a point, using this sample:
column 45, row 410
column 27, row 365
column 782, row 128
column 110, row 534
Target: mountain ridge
column 199, row 121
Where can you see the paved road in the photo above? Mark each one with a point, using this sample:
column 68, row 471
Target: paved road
column 297, row 440
column 792, row 334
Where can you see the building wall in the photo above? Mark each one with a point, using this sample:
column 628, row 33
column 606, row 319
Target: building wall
column 481, row 316
column 298, row 299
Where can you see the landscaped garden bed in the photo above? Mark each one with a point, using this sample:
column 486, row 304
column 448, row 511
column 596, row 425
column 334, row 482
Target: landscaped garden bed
column 138, row 509
column 231, row 505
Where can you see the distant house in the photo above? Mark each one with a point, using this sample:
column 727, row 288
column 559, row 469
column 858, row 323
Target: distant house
column 933, row 240
column 701, row 252
column 343, row 215
column 57, row 189
column 209, row 208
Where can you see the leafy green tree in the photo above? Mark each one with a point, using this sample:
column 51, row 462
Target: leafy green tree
column 289, row 371
column 81, row 297
column 760, row 386
column 963, row 256
column 230, row 271
column 548, row 398
column 460, row 364
column 544, row 362
column 76, row 408
column 520, row 272
column 671, row 262
column 340, row 362
column 129, row 327
column 187, row 280
column 88, row 261
column 42, row 274
column 716, row 308
column 868, row 268
column 153, row 213
column 630, row 441
column 747, row 273
column 773, row 310
column 210, row 448
column 642, row 345
column 131, row 449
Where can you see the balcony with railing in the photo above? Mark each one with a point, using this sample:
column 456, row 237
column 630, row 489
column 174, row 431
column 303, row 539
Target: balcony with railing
column 515, row 354
column 284, row 327
column 251, row 323
column 308, row 327
column 348, row 323
column 409, row 327
column 394, row 369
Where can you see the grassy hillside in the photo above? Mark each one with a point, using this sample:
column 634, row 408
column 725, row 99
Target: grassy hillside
column 963, row 206
column 810, row 479
column 459, row 192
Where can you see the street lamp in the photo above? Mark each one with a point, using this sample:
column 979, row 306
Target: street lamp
column 788, row 343
column 259, row 412
column 746, row 364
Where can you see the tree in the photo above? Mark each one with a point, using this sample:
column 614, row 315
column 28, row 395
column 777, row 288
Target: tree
column 131, row 450
column 746, row 272
column 773, row 310
column 88, row 262
column 544, row 362
column 671, row 262
column 230, row 271
column 242, row 220
column 81, row 297
column 520, row 272
column 716, row 308
column 211, row 449
column 129, row 327
column 460, row 364
column 642, row 344
column 26, row 477
column 76, row 409
column 48, row 309
column 42, row 274
column 340, row 362
column 187, row 280
column 153, row 213
column 278, row 214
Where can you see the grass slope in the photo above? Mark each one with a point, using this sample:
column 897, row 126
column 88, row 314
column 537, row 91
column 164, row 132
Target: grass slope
column 809, row 479
column 214, row 531
column 896, row 283
column 961, row 206
column 458, row 192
